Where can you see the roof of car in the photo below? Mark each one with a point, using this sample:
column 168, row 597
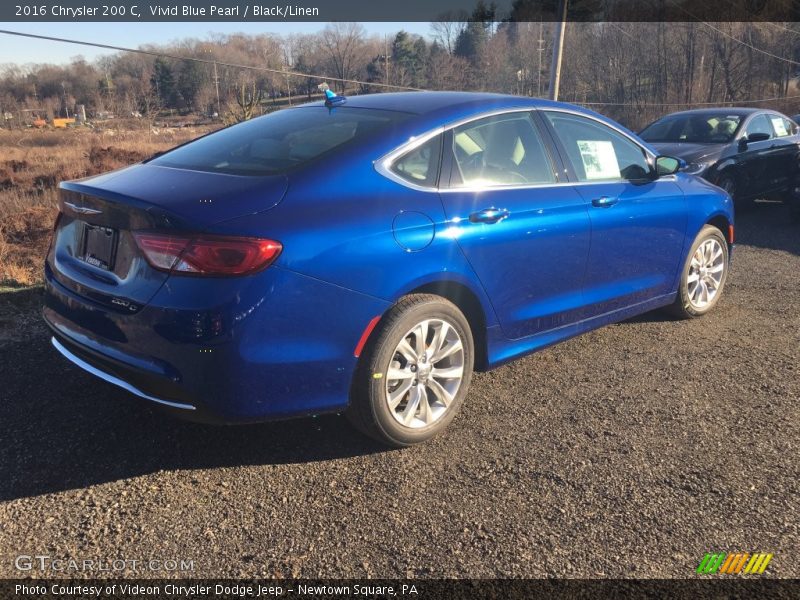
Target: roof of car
column 739, row 111
column 437, row 107
column 427, row 102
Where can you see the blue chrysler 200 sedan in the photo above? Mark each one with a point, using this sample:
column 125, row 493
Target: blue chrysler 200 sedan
column 367, row 257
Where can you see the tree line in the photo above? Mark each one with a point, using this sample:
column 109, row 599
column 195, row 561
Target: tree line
column 633, row 72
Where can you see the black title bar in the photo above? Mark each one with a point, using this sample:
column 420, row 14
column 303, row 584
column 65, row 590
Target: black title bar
column 396, row 10
column 417, row 589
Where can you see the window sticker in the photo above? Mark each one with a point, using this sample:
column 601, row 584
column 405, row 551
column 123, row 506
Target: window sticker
column 599, row 159
column 779, row 126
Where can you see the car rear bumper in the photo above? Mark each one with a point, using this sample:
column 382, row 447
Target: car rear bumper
column 117, row 373
column 272, row 346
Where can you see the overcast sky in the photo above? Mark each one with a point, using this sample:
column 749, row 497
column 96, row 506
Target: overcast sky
column 20, row 50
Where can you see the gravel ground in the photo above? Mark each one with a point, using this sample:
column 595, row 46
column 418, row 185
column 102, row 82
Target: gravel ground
column 628, row 452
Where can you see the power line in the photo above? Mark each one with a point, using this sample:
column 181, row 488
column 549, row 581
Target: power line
column 770, row 23
column 384, row 85
column 208, row 61
column 735, row 39
column 637, row 40
column 779, row 26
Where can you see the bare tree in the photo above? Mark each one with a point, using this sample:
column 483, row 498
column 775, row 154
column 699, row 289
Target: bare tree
column 248, row 98
column 343, row 44
column 151, row 106
column 448, row 27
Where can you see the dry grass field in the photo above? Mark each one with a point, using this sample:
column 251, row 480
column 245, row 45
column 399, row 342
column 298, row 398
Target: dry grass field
column 33, row 162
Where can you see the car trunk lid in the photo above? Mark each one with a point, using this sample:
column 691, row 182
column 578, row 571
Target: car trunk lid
column 94, row 253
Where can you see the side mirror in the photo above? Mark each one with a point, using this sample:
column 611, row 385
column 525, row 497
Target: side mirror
column 668, row 165
column 752, row 138
column 757, row 137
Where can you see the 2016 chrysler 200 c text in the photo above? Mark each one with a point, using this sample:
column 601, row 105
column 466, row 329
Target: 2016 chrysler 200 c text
column 365, row 255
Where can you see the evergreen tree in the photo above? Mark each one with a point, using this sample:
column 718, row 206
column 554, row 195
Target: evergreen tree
column 190, row 81
column 163, row 82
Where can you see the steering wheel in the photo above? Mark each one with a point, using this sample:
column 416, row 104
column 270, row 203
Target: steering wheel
column 475, row 162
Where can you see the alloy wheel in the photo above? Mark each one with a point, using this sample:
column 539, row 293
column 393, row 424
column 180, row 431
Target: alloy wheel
column 425, row 373
column 706, row 271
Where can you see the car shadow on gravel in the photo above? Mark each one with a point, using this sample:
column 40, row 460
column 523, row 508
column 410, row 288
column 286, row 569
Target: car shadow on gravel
column 768, row 224
column 63, row 429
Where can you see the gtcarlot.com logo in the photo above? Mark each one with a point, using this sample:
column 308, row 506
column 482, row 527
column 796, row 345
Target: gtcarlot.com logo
column 43, row 562
column 737, row 563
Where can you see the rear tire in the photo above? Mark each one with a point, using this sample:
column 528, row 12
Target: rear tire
column 704, row 274
column 414, row 373
column 727, row 183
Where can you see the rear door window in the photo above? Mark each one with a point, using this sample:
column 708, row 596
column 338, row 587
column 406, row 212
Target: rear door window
column 500, row 150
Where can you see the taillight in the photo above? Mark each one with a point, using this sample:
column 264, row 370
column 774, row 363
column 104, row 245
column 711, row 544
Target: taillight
column 207, row 254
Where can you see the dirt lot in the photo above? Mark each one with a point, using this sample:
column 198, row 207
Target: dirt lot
column 33, row 161
column 630, row 451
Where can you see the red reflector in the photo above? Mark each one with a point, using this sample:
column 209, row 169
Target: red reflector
column 731, row 237
column 207, row 255
column 365, row 336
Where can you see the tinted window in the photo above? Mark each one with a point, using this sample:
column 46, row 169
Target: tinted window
column 279, row 141
column 420, row 165
column 695, row 129
column 597, row 152
column 759, row 124
column 500, row 150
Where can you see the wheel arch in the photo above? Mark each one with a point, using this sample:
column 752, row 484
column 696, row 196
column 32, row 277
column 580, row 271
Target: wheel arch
column 721, row 222
column 464, row 298
column 725, row 168
column 470, row 305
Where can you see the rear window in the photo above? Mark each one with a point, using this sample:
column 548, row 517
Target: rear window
column 278, row 142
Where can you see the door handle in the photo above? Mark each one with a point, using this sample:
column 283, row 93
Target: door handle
column 604, row 201
column 489, row 215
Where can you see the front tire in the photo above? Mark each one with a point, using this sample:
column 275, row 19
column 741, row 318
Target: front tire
column 415, row 372
column 704, row 274
column 728, row 183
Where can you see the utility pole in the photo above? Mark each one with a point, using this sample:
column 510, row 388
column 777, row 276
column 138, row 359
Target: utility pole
column 386, row 56
column 66, row 108
column 216, row 85
column 288, row 87
column 539, row 72
column 558, row 50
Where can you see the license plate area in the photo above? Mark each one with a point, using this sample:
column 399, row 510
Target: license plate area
column 99, row 246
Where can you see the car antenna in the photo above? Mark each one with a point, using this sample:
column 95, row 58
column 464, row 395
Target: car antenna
column 331, row 99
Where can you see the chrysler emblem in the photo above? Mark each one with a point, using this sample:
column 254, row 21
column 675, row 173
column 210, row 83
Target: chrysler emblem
column 84, row 210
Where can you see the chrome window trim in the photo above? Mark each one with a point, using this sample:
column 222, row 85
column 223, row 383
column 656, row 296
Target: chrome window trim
column 384, row 164
column 533, row 186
